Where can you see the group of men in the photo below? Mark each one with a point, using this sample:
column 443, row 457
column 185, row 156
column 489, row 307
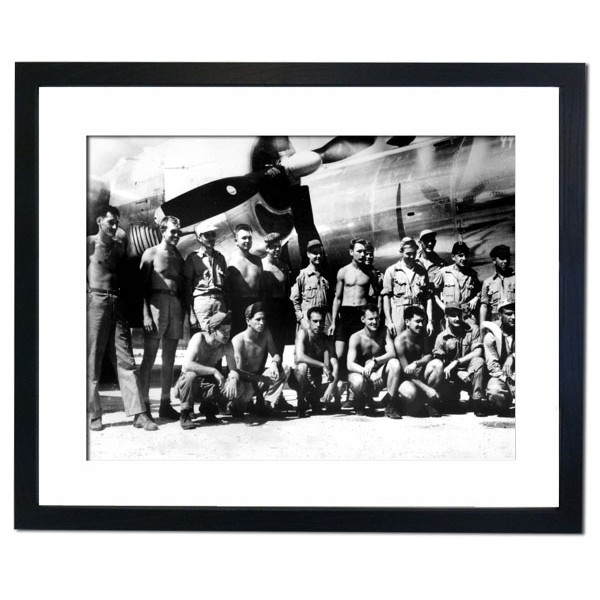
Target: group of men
column 429, row 351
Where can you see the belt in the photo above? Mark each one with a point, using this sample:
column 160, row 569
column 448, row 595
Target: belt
column 116, row 292
column 217, row 294
column 166, row 292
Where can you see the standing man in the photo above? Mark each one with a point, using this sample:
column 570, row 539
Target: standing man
column 311, row 289
column 245, row 278
column 162, row 270
column 205, row 273
column 351, row 295
column 419, row 374
column 201, row 380
column 500, row 287
column 372, row 362
column 458, row 358
column 376, row 277
column 432, row 262
column 316, row 368
column 108, row 329
column 251, row 348
column 405, row 284
column 275, row 287
column 458, row 283
column 499, row 348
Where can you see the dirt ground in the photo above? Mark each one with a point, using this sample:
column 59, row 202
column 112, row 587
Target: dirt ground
column 343, row 436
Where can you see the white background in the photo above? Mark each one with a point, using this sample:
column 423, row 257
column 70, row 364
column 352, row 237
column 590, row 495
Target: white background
column 272, row 565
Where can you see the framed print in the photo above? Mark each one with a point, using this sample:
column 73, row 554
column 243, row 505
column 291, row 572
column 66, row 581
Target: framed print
column 321, row 259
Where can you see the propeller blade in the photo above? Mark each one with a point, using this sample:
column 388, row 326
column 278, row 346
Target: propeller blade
column 212, row 199
column 342, row 147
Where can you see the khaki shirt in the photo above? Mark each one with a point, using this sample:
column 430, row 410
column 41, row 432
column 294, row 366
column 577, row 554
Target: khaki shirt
column 497, row 289
column 310, row 289
column 457, row 286
column 449, row 347
column 404, row 287
column 207, row 274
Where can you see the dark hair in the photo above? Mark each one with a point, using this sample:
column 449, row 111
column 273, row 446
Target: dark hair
column 370, row 307
column 243, row 226
column 108, row 209
column 355, row 241
column 169, row 219
column 413, row 310
column 315, row 309
column 271, row 239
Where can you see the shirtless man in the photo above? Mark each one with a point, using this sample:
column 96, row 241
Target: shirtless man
column 316, row 365
column 250, row 348
column 275, row 288
column 162, row 270
column 108, row 328
column 372, row 363
column 201, row 380
column 351, row 295
column 245, row 278
column 416, row 394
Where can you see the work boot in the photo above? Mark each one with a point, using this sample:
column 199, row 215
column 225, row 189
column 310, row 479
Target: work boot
column 392, row 409
column 302, row 408
column 185, row 420
column 167, row 412
column 480, row 408
column 143, row 421
column 282, row 405
column 96, row 424
column 432, row 411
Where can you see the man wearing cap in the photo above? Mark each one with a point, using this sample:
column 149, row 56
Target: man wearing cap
column 245, row 278
column 372, row 363
column 458, row 361
column 405, row 284
column 275, row 288
column 162, row 270
column 205, row 274
column 201, row 380
column 316, row 370
column 107, row 325
column 251, row 348
column 499, row 348
column 376, row 277
column 311, row 289
column 458, row 283
column 500, row 287
column 432, row 262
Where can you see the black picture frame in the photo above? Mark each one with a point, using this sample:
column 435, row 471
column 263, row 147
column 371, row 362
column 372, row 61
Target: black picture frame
column 570, row 79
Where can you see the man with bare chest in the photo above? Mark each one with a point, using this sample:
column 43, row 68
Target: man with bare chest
column 372, row 363
column 245, row 278
column 417, row 396
column 201, row 380
column 351, row 295
column 108, row 328
column 275, row 287
column 316, row 368
column 162, row 271
column 251, row 348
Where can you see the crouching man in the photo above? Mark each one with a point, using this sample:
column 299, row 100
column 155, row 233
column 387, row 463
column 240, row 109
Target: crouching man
column 372, row 363
column 417, row 396
column 458, row 363
column 499, row 348
column 251, row 348
column 200, row 380
column 317, row 369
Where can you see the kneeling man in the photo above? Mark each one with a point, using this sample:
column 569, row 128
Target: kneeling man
column 458, row 358
column 317, row 369
column 372, row 363
column 251, row 348
column 417, row 396
column 499, row 348
column 200, row 380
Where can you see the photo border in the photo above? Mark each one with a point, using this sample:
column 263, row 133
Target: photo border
column 566, row 518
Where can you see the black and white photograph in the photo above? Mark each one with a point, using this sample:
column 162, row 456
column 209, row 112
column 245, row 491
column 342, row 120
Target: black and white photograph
column 301, row 298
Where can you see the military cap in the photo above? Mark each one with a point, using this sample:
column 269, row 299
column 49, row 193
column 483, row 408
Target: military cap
column 460, row 247
column 313, row 244
column 500, row 251
column 506, row 304
column 427, row 232
column 453, row 307
column 253, row 309
column 272, row 238
column 218, row 319
column 407, row 241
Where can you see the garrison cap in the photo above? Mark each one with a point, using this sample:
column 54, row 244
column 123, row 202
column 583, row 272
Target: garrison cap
column 218, row 319
column 460, row 247
column 272, row 238
column 253, row 309
column 500, row 251
column 313, row 244
column 204, row 227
